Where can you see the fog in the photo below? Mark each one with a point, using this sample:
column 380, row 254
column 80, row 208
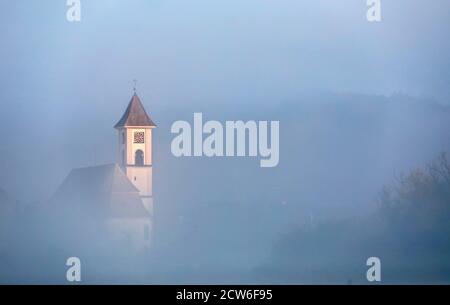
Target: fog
column 358, row 104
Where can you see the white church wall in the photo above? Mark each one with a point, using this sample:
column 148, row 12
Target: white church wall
column 141, row 177
column 148, row 146
column 133, row 147
column 135, row 233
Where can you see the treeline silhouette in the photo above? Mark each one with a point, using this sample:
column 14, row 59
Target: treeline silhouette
column 409, row 232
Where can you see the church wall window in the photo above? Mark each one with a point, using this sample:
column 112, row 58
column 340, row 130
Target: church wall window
column 139, row 157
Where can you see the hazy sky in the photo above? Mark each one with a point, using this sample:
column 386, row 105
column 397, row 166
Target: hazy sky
column 64, row 85
column 354, row 100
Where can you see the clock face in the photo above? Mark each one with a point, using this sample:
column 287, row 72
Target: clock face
column 139, row 137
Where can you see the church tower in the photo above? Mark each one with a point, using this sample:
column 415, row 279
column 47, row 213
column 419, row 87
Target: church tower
column 135, row 149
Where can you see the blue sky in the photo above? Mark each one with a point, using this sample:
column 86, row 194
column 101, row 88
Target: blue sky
column 205, row 49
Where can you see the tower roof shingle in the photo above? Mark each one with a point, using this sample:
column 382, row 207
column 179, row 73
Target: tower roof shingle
column 135, row 115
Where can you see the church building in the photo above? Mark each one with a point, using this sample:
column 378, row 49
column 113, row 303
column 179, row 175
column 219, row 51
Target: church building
column 119, row 196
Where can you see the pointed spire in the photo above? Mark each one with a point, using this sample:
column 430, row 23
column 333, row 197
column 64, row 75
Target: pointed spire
column 135, row 115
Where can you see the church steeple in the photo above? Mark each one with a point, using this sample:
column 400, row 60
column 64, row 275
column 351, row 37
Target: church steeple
column 135, row 148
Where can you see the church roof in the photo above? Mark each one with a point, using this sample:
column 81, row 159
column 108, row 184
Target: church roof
column 103, row 191
column 135, row 115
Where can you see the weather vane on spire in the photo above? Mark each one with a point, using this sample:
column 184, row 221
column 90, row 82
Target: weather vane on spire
column 134, row 86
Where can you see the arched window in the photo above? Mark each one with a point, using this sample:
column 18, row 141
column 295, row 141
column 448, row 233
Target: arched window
column 139, row 157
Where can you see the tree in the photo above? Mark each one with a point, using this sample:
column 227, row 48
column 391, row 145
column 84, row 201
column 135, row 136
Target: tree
column 420, row 199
